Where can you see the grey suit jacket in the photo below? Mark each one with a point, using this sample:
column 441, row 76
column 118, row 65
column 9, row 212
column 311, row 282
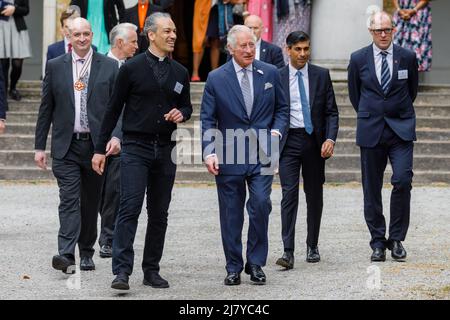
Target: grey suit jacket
column 58, row 101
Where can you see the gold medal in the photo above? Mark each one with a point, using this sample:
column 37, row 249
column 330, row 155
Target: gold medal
column 79, row 85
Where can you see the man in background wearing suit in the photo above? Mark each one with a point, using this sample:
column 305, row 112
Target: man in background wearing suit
column 3, row 102
column 139, row 13
column 76, row 89
column 265, row 51
column 241, row 96
column 64, row 46
column 310, row 139
column 123, row 40
column 383, row 83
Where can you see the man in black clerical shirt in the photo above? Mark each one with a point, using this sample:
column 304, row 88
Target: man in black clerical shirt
column 154, row 92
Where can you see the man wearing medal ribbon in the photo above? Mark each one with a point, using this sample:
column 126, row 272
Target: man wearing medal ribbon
column 76, row 89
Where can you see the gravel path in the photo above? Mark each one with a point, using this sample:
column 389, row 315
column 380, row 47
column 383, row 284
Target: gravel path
column 193, row 260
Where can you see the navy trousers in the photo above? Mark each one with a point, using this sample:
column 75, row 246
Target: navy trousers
column 232, row 195
column 373, row 165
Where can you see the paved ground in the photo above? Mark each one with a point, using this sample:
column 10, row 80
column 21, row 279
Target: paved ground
column 193, row 261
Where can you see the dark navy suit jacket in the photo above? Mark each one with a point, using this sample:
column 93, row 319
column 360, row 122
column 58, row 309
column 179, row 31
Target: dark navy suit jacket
column 324, row 111
column 223, row 107
column 272, row 54
column 374, row 108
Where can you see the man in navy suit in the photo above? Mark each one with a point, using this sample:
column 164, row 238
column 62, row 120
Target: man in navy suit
column 382, row 83
column 62, row 47
column 313, row 129
column 3, row 102
column 265, row 51
column 244, row 101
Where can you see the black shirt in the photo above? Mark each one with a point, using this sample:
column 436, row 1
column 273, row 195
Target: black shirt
column 146, row 89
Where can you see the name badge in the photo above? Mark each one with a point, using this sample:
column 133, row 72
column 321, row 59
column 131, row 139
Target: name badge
column 402, row 74
column 178, row 88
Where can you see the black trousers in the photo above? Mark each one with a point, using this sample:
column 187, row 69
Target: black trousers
column 144, row 166
column 110, row 200
column 301, row 150
column 79, row 193
column 373, row 165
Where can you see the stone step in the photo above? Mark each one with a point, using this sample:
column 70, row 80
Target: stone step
column 200, row 175
column 18, row 142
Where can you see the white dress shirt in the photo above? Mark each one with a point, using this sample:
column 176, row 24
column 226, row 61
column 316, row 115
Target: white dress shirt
column 378, row 60
column 112, row 56
column 296, row 120
column 258, row 50
column 77, row 64
column 66, row 45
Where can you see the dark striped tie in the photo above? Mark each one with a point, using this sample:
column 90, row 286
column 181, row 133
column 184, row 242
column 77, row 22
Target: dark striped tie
column 385, row 73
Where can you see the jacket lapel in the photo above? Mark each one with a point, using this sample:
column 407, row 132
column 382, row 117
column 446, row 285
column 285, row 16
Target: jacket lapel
column 371, row 63
column 258, row 86
column 395, row 63
column 232, row 80
column 68, row 75
column 95, row 66
column 312, row 78
column 263, row 51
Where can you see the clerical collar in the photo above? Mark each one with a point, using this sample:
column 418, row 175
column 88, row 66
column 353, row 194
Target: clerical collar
column 155, row 57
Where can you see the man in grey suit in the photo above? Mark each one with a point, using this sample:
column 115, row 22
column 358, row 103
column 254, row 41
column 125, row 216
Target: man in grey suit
column 76, row 89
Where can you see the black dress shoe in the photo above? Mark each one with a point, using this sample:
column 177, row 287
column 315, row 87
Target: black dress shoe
column 232, row 279
column 256, row 273
column 14, row 94
column 312, row 254
column 154, row 280
column 397, row 251
column 378, row 255
column 287, row 260
column 105, row 251
column 87, row 264
column 64, row 264
column 121, row 282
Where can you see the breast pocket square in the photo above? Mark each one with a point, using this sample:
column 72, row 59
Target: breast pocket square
column 267, row 85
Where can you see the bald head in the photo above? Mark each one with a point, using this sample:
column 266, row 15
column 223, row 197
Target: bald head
column 81, row 36
column 380, row 18
column 256, row 24
column 381, row 29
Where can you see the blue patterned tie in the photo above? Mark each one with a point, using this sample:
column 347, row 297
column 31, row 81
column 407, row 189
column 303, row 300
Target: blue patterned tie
column 305, row 104
column 385, row 73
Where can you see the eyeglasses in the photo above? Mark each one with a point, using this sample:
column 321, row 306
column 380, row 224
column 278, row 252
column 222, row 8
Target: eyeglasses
column 380, row 31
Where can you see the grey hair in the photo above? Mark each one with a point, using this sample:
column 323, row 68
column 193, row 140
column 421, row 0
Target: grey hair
column 120, row 32
column 374, row 15
column 150, row 22
column 232, row 34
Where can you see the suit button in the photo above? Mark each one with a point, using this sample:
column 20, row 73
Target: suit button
column 158, row 121
column 384, row 98
column 159, row 106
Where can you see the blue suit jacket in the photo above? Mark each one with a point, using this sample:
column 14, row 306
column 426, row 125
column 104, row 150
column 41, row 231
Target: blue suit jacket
column 3, row 100
column 223, row 108
column 374, row 108
column 272, row 54
column 58, row 49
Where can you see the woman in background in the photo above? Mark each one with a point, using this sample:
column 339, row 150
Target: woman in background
column 289, row 16
column 413, row 21
column 14, row 42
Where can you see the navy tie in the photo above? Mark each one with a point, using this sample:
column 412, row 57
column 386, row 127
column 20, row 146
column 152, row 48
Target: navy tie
column 305, row 104
column 385, row 73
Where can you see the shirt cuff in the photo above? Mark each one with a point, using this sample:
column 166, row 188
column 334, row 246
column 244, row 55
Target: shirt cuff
column 334, row 142
column 210, row 155
column 277, row 132
column 115, row 138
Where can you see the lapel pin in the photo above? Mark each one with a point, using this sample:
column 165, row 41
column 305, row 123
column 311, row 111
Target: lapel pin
column 260, row 71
